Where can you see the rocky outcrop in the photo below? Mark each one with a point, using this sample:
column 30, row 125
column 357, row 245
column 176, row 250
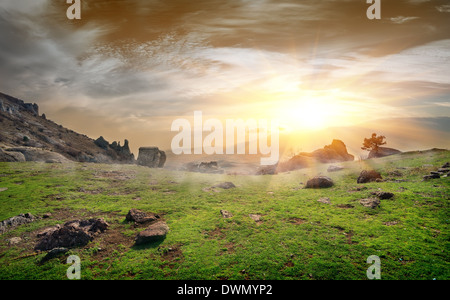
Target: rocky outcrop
column 382, row 152
column 335, row 152
column 22, row 127
column 151, row 157
column 115, row 150
column 14, row 106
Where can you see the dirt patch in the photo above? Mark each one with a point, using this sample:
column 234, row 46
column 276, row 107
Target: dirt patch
column 289, row 264
column 108, row 242
column 115, row 175
column 297, row 221
column 344, row 206
column 90, row 192
column 214, row 234
column 391, row 223
column 349, row 236
column 171, row 255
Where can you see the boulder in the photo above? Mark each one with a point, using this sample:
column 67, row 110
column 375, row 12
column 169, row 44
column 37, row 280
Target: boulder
column 319, row 182
column 138, row 216
column 370, row 202
column 153, row 233
column 151, row 157
column 368, row 176
column 72, row 234
column 382, row 152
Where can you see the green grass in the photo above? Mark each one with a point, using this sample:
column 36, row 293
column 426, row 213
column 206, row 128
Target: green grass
column 298, row 237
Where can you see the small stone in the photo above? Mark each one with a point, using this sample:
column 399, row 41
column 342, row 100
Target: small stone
column 325, row 200
column 256, row 218
column 14, row 241
column 226, row 214
column 370, row 202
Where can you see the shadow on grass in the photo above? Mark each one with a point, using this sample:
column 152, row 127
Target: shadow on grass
column 149, row 245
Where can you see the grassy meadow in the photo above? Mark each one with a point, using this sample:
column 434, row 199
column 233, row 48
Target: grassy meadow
column 297, row 237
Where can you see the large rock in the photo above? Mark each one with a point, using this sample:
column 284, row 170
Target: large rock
column 368, row 176
column 383, row 151
column 151, row 157
column 319, row 182
column 153, row 233
column 73, row 234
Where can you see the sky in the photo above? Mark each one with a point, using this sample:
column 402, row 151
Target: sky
column 129, row 68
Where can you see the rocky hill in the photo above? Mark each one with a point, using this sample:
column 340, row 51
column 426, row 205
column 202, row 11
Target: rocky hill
column 27, row 136
column 335, row 152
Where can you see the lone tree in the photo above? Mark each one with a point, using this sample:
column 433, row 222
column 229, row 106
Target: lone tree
column 373, row 143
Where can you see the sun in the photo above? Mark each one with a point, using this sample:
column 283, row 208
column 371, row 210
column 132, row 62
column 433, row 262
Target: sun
column 308, row 114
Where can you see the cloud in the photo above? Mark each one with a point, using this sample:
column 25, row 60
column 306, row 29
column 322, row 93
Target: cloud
column 443, row 8
column 401, row 19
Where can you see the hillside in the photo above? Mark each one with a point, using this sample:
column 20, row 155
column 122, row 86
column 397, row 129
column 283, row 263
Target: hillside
column 27, row 135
